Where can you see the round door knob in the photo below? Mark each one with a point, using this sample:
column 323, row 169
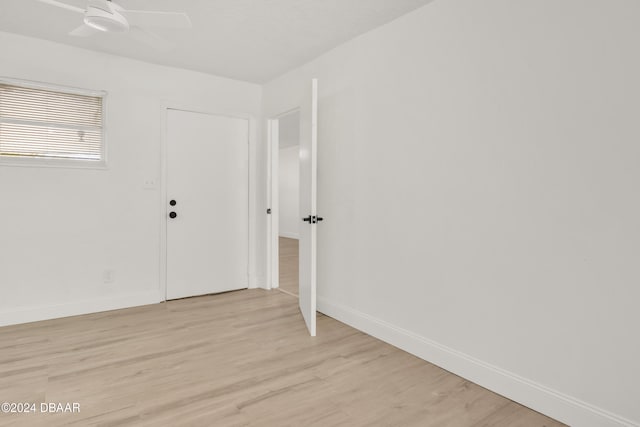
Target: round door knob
column 172, row 214
column 172, row 203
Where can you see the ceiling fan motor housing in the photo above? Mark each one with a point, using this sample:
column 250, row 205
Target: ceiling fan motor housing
column 105, row 20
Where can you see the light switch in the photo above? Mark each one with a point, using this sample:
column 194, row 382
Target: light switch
column 150, row 184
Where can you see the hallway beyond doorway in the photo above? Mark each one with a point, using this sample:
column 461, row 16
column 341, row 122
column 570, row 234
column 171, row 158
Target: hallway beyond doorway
column 289, row 265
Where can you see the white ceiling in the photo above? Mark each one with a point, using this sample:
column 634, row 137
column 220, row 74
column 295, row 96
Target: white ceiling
column 252, row 40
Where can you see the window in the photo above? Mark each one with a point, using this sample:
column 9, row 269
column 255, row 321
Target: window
column 55, row 126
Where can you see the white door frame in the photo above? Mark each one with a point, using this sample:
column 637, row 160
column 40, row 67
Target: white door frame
column 273, row 199
column 165, row 107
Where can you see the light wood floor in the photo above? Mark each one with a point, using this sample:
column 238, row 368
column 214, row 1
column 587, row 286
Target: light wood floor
column 289, row 265
column 236, row 359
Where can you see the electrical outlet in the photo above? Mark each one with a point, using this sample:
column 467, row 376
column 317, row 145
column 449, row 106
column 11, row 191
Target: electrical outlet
column 109, row 276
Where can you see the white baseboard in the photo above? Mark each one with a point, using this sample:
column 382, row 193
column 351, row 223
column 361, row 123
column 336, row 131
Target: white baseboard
column 289, row 235
column 46, row 312
column 552, row 403
column 254, row 281
column 261, row 283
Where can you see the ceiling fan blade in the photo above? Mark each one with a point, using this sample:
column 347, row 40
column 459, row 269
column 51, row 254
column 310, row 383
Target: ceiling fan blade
column 151, row 39
column 100, row 4
column 143, row 18
column 62, row 5
column 83, row 31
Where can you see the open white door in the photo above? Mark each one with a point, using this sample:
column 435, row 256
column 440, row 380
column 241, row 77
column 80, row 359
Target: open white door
column 308, row 187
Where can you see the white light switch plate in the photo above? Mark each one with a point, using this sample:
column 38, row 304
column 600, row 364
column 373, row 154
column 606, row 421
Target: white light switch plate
column 150, row 184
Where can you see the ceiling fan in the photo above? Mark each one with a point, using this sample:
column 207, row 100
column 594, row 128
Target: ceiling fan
column 108, row 17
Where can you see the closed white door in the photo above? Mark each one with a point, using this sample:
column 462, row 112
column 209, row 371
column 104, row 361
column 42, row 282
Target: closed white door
column 308, row 206
column 207, row 203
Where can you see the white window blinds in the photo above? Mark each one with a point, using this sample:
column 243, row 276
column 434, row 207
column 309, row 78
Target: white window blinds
column 50, row 124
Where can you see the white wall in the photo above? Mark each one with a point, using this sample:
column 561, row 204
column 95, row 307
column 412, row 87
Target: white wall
column 289, row 191
column 289, row 130
column 61, row 228
column 478, row 175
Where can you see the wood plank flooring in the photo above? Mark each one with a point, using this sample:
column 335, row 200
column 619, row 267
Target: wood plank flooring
column 237, row 359
column 289, row 265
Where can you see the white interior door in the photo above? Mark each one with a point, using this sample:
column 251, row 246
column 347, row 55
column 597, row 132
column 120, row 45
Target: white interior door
column 207, row 203
column 308, row 189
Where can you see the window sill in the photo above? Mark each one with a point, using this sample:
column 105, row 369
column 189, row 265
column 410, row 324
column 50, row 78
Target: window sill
column 52, row 163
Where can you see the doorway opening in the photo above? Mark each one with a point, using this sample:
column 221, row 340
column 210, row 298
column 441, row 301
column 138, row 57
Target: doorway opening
column 288, row 178
column 304, row 124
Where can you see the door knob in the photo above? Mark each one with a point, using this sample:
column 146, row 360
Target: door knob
column 172, row 203
column 172, row 214
column 313, row 219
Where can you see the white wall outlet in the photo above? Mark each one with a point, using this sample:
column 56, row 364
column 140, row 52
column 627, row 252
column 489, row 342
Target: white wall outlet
column 109, row 276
